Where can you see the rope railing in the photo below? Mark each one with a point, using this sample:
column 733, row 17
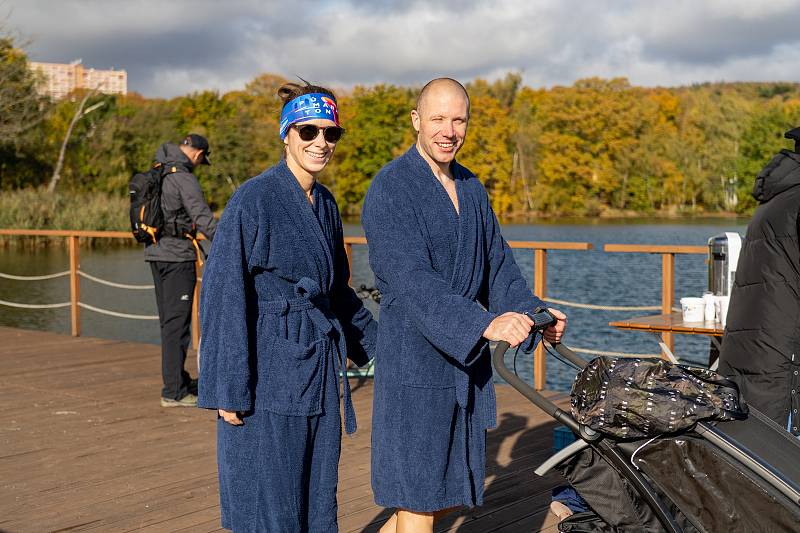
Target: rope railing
column 604, row 307
column 116, row 313
column 365, row 293
column 34, row 306
column 34, row 278
column 112, row 283
column 587, row 351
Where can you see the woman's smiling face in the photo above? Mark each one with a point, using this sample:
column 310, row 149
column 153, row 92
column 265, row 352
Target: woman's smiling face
column 308, row 156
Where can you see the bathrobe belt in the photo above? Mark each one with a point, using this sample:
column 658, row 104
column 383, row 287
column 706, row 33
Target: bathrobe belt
column 309, row 298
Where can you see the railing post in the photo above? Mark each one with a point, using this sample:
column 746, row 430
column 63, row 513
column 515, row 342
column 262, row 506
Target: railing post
column 348, row 251
column 74, row 284
column 196, row 309
column 667, row 292
column 540, row 289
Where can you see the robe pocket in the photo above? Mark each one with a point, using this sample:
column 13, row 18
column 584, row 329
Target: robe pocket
column 292, row 380
column 407, row 353
column 423, row 365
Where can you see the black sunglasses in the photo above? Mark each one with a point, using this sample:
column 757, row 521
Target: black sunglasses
column 309, row 132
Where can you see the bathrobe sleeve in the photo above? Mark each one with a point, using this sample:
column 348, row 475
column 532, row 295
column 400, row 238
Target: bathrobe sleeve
column 508, row 290
column 359, row 328
column 228, row 314
column 399, row 256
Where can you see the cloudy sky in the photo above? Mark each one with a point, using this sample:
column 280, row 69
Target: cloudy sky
column 172, row 47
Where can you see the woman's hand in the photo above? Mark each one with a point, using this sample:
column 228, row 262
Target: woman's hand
column 231, row 417
column 554, row 333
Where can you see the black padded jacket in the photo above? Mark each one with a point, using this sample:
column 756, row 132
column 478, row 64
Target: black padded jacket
column 761, row 346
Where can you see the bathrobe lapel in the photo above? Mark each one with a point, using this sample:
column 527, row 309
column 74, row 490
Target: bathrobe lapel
column 466, row 276
column 300, row 210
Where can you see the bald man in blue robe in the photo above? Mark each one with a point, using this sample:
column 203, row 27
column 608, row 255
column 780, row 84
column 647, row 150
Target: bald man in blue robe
column 450, row 285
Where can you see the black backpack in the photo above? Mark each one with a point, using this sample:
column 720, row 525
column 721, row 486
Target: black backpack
column 147, row 217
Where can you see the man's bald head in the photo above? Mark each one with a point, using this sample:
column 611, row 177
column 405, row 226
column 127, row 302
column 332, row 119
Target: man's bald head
column 441, row 119
column 437, row 87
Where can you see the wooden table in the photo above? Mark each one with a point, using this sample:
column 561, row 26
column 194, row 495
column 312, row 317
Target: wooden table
column 674, row 323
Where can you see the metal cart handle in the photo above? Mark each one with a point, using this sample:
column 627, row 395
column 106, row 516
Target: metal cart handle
column 529, row 392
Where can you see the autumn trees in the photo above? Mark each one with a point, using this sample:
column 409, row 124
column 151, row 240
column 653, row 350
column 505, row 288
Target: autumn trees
column 597, row 147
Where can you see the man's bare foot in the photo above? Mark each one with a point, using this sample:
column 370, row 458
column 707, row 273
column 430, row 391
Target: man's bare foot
column 560, row 510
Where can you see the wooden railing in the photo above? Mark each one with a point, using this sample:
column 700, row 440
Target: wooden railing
column 668, row 253
column 540, row 250
column 73, row 243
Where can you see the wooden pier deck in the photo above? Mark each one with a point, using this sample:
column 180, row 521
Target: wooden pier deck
column 85, row 446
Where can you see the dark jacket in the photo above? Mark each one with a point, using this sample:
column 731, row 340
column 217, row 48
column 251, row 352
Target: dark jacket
column 184, row 207
column 761, row 347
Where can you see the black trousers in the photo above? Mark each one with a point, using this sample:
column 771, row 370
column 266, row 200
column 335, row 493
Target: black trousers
column 174, row 293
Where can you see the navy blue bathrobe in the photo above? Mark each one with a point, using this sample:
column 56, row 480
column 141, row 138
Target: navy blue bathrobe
column 444, row 277
column 278, row 319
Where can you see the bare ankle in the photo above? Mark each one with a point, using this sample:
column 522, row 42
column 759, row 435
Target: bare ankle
column 390, row 526
column 413, row 522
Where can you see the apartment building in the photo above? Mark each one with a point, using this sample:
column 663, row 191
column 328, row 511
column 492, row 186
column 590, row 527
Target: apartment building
column 60, row 79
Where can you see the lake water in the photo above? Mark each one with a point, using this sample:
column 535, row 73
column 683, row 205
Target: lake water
column 588, row 277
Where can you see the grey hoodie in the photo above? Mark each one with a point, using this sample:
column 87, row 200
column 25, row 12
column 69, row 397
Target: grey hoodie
column 184, row 205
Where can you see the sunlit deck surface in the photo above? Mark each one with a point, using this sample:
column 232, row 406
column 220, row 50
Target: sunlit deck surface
column 85, row 446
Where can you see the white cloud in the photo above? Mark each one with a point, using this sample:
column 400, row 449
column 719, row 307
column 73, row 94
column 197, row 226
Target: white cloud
column 174, row 47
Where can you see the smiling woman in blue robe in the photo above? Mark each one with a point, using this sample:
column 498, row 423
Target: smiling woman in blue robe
column 450, row 285
column 278, row 321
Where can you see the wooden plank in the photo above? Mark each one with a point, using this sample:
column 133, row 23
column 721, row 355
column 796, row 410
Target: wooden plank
column 355, row 240
column 672, row 322
column 655, row 249
column 196, row 306
column 533, row 245
column 84, row 445
column 67, row 233
column 667, row 294
column 74, row 285
column 552, row 245
column 359, row 240
column 540, row 290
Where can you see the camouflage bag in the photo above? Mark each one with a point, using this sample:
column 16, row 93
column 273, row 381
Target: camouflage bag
column 634, row 398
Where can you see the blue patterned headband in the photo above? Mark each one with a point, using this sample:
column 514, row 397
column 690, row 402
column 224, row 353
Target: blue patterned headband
column 308, row 107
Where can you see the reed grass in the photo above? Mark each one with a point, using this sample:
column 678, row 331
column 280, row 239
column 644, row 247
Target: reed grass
column 35, row 208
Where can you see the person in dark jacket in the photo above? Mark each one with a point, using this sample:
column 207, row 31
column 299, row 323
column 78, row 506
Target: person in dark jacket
column 761, row 347
column 172, row 261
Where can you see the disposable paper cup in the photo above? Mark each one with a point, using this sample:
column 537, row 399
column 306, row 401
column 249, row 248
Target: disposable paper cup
column 693, row 309
column 709, row 307
column 721, row 305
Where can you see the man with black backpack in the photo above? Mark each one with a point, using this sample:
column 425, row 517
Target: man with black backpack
column 171, row 248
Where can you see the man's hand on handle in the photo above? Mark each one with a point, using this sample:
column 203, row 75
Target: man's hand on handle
column 511, row 327
column 514, row 328
column 554, row 333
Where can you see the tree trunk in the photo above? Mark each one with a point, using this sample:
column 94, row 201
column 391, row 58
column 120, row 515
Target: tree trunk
column 60, row 162
column 520, row 158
